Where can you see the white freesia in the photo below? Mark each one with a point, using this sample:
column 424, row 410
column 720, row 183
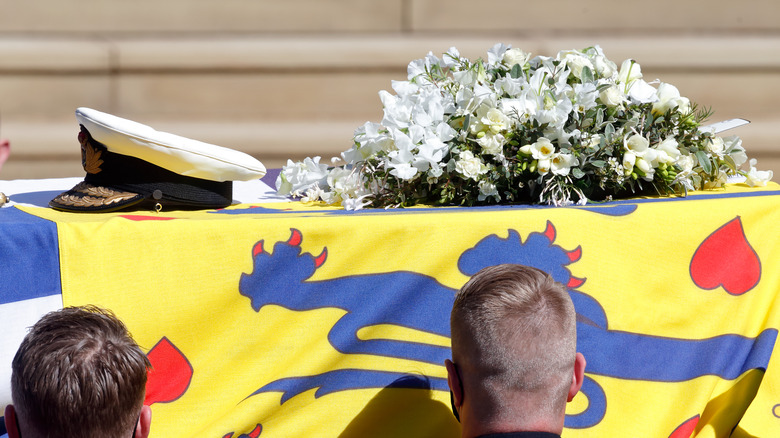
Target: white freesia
column 543, row 166
column 636, row 144
column 561, row 164
column 540, row 149
column 667, row 151
column 629, row 160
column 646, row 166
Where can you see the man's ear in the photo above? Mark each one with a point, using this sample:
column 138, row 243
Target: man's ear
column 11, row 424
column 577, row 377
column 144, row 423
column 453, row 380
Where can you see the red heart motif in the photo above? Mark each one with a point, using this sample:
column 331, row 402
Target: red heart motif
column 686, row 429
column 725, row 258
column 170, row 375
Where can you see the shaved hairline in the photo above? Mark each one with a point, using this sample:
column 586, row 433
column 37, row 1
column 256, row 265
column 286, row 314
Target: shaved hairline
column 515, row 327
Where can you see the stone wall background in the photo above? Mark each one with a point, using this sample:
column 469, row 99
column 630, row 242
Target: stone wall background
column 294, row 78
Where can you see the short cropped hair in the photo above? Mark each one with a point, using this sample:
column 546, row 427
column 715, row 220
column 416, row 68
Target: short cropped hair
column 515, row 326
column 79, row 374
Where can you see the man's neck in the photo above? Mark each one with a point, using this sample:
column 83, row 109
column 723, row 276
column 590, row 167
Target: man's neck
column 521, row 435
column 475, row 426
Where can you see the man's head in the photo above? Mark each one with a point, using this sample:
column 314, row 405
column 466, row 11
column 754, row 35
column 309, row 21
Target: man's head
column 78, row 373
column 514, row 348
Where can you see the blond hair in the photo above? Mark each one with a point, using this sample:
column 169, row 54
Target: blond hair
column 514, row 327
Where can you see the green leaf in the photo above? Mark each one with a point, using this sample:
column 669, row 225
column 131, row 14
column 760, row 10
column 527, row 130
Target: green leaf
column 704, row 161
column 587, row 74
column 729, row 160
column 599, row 116
column 598, row 163
column 609, row 131
column 577, row 172
column 516, row 72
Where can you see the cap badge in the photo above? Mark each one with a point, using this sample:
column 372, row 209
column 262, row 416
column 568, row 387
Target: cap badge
column 90, row 155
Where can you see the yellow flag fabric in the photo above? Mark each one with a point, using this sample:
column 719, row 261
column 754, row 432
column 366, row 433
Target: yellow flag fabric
column 298, row 320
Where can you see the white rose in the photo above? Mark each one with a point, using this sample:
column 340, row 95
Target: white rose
column 604, row 67
column 486, row 190
column 576, row 62
column 716, row 146
column 686, row 163
column 470, row 166
column 612, row 96
column 515, row 56
column 717, row 182
column 495, row 120
column 492, row 144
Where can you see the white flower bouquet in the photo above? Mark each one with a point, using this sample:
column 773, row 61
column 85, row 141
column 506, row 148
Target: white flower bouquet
column 514, row 129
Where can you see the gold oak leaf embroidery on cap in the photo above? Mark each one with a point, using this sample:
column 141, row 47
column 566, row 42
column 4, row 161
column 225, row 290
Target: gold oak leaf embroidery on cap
column 92, row 159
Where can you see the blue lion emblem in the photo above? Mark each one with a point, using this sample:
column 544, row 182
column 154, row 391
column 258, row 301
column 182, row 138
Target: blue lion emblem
column 420, row 302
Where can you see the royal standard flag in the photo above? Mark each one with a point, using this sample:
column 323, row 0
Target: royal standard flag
column 297, row 320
